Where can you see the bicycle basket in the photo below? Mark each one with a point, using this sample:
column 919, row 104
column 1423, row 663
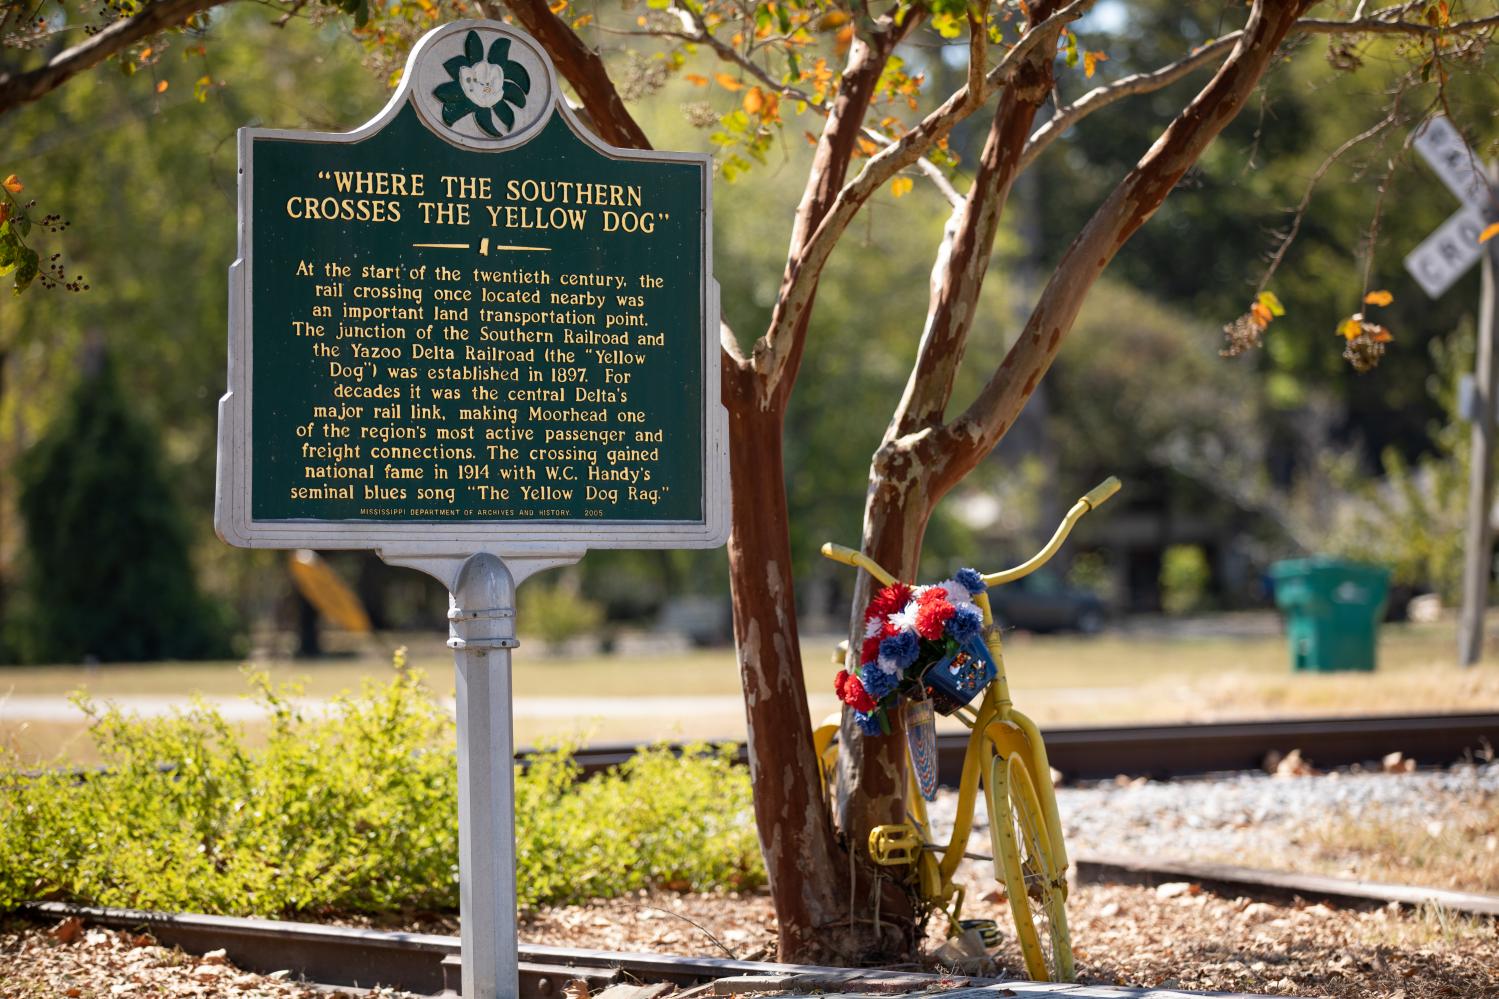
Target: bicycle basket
column 957, row 678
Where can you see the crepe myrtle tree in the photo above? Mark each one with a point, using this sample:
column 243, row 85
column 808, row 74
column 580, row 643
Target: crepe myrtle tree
column 877, row 122
column 837, row 67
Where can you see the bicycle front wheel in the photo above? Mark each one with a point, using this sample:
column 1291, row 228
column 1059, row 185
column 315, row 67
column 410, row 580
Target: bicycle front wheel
column 1024, row 862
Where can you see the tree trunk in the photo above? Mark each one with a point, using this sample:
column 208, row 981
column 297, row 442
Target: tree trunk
column 872, row 770
column 805, row 863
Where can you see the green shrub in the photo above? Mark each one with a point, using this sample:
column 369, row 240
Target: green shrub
column 556, row 613
column 1185, row 576
column 350, row 810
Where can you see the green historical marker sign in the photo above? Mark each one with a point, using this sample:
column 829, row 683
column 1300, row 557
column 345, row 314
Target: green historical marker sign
column 471, row 336
column 471, row 320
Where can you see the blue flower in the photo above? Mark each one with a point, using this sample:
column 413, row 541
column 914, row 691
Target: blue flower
column 966, row 622
column 901, row 648
column 877, row 681
column 971, row 580
column 869, row 723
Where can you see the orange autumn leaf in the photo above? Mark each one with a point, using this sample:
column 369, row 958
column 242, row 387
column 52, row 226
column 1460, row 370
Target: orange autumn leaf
column 1379, row 334
column 1380, row 297
column 1351, row 327
column 558, row 7
column 1489, row 232
column 13, row 185
column 146, row 53
column 1091, row 61
column 754, row 100
column 728, row 82
column 844, row 38
column 161, row 87
column 901, row 186
column 1261, row 314
column 696, row 80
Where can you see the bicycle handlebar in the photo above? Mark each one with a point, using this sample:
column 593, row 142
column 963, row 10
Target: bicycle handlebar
column 1092, row 500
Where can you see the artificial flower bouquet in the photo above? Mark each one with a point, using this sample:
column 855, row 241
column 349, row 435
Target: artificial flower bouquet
column 920, row 642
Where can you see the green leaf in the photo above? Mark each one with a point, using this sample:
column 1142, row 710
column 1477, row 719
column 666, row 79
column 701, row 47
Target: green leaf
column 499, row 52
column 454, row 64
column 449, row 92
column 27, row 267
column 485, row 121
column 473, row 48
column 515, row 95
column 515, row 71
column 502, row 111
column 455, row 110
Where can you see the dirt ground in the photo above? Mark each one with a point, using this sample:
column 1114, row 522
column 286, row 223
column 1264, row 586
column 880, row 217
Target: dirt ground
column 1173, row 937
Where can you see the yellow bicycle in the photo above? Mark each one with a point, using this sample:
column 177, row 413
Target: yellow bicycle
column 1006, row 759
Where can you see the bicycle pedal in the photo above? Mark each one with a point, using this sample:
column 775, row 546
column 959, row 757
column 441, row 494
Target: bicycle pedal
column 894, row 845
column 987, row 930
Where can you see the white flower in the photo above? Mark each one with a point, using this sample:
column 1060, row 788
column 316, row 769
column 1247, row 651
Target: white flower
column 484, row 83
column 905, row 618
column 957, row 593
column 874, row 626
column 887, row 664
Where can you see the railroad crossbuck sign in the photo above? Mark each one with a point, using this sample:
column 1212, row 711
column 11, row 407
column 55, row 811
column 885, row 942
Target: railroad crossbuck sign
column 473, row 337
column 1447, row 253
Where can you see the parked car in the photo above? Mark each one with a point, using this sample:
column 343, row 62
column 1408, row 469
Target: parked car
column 1043, row 602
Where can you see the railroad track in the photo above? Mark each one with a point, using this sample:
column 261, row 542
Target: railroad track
column 1162, row 751
column 429, row 964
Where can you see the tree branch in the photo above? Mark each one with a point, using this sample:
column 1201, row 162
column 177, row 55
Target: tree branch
column 22, row 88
column 1139, row 83
column 777, row 354
column 955, row 448
column 1376, row 26
column 803, row 270
column 1145, row 83
column 584, row 70
column 963, row 259
column 697, row 32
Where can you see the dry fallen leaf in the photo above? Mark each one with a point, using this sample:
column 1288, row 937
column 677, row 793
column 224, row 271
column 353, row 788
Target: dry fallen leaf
column 68, row 930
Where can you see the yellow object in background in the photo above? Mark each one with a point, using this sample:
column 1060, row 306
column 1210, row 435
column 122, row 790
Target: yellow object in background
column 322, row 587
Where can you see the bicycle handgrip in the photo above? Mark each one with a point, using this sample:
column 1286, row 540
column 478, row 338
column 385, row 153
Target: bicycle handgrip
column 840, row 553
column 1100, row 493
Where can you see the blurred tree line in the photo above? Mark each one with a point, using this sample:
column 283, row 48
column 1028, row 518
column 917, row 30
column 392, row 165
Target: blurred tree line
column 144, row 166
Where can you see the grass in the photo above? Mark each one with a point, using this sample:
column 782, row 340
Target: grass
column 1058, row 680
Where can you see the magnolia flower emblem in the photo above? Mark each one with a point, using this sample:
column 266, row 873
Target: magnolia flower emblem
column 485, row 87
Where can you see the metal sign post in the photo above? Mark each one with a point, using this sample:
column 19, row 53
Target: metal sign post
column 476, row 339
column 1436, row 264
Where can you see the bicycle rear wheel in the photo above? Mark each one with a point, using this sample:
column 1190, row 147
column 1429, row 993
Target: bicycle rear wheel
column 1024, row 862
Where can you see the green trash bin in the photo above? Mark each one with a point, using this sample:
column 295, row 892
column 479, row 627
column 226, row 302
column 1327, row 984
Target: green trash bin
column 1333, row 608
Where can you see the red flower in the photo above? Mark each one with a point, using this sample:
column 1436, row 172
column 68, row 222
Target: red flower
column 840, row 683
column 871, row 649
column 889, row 600
column 932, row 615
column 856, row 697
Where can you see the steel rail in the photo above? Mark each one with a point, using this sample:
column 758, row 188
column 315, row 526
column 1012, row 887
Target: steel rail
column 1164, row 751
column 428, row 964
